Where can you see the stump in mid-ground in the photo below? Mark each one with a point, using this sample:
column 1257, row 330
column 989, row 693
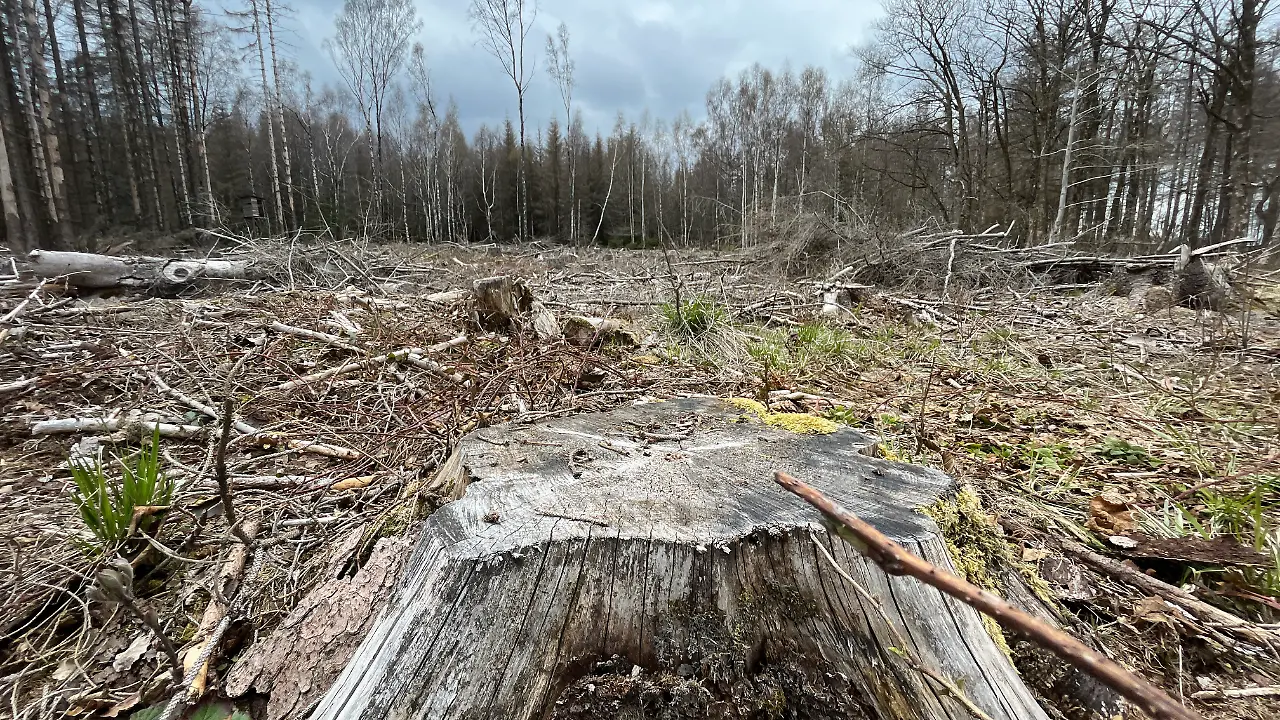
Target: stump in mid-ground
column 643, row 564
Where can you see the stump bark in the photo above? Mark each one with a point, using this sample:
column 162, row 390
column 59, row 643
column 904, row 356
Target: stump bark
column 643, row 564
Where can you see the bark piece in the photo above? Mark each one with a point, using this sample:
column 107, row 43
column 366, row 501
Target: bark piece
column 583, row 538
column 161, row 275
column 296, row 663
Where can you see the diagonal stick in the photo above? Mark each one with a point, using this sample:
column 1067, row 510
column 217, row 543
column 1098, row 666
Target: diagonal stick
column 895, row 560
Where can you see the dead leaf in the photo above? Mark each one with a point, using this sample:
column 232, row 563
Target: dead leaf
column 125, row 704
column 127, row 658
column 65, row 670
column 1067, row 580
column 1030, row 555
column 1110, row 514
column 1152, row 610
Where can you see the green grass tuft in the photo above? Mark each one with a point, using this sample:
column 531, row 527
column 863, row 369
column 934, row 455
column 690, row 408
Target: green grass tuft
column 693, row 318
column 106, row 504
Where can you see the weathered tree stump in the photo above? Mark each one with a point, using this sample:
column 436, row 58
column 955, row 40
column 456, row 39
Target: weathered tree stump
column 642, row 564
column 503, row 302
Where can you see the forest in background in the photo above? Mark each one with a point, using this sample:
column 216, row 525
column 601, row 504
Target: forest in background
column 1122, row 125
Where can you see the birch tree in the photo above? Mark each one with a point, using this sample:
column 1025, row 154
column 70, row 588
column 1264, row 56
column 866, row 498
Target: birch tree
column 560, row 67
column 504, row 26
column 372, row 37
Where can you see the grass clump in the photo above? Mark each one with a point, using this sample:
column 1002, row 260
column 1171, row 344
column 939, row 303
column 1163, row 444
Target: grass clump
column 701, row 330
column 809, row 349
column 693, row 318
column 107, row 504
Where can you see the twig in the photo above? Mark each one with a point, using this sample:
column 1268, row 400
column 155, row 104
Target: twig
column 315, row 448
column 1266, row 691
column 895, row 560
column 1268, row 461
column 220, row 475
column 18, row 385
column 9, row 316
column 577, row 518
column 365, row 364
column 83, row 425
column 326, row 338
column 1220, row 619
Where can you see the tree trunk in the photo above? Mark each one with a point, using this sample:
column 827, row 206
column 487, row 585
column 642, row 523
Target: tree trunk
column 167, row 35
column 278, row 113
column 523, row 204
column 1064, row 187
column 150, row 113
column 209, row 205
column 599, row 564
column 94, row 132
column 613, row 167
column 269, row 111
column 117, row 59
column 21, row 224
column 46, row 160
column 65, row 118
column 1268, row 209
column 164, row 275
column 14, row 234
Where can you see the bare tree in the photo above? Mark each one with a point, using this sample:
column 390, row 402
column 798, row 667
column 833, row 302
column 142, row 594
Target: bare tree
column 369, row 50
column 560, row 68
column 268, row 110
column 504, row 26
column 277, row 110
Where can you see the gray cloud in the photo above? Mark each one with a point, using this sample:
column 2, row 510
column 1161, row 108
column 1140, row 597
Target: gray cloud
column 658, row 55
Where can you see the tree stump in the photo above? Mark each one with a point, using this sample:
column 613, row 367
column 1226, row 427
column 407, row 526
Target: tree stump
column 503, row 302
column 643, row 564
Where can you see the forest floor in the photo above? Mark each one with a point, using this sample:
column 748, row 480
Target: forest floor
column 1072, row 415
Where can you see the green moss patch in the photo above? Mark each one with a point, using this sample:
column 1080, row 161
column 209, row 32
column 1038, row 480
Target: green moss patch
column 802, row 423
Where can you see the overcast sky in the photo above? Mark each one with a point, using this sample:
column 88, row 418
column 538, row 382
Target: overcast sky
column 657, row 54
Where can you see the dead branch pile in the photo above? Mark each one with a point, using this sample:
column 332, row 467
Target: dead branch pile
column 344, row 404
column 931, row 260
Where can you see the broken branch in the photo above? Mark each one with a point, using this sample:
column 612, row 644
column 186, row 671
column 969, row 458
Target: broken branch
column 365, row 364
column 895, row 560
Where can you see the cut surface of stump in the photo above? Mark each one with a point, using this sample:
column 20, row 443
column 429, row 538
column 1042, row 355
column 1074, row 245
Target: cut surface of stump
column 642, row 563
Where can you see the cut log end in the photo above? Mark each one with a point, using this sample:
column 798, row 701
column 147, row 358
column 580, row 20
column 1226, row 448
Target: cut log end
column 609, row 565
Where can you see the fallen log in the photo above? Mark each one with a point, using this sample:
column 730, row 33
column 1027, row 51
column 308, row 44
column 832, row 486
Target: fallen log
column 591, row 571
column 161, row 275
